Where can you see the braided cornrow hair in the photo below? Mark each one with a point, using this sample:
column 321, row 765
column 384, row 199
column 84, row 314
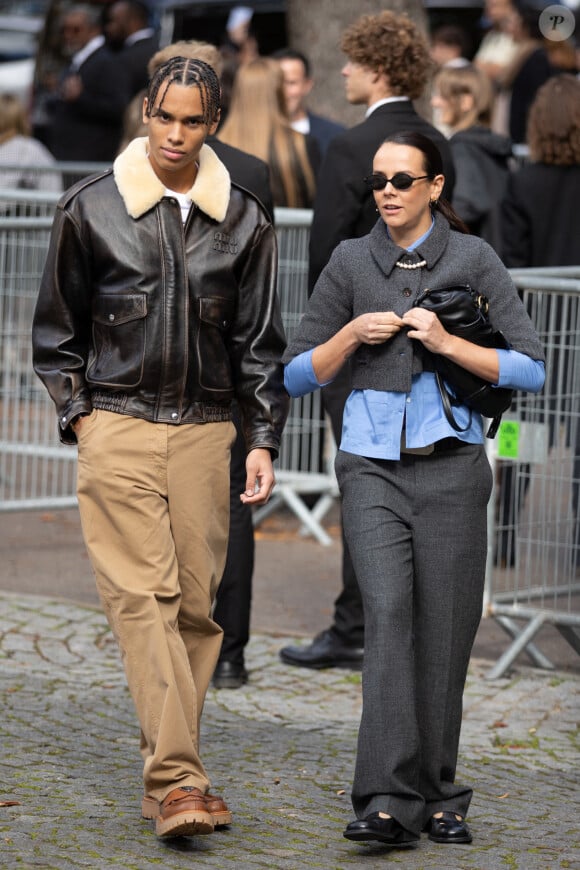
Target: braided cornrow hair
column 191, row 73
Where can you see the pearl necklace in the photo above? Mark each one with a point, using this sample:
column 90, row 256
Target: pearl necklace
column 411, row 265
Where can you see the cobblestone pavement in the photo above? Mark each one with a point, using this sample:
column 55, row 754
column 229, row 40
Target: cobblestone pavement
column 280, row 750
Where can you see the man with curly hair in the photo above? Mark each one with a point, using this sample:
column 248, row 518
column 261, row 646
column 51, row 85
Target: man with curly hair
column 388, row 65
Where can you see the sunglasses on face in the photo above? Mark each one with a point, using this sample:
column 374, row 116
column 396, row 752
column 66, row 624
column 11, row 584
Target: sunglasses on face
column 400, row 180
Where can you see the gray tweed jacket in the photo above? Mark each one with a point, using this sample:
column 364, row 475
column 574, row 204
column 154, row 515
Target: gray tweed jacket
column 361, row 276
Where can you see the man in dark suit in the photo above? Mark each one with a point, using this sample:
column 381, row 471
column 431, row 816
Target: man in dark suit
column 297, row 85
column 246, row 170
column 86, row 113
column 128, row 32
column 233, row 600
column 388, row 64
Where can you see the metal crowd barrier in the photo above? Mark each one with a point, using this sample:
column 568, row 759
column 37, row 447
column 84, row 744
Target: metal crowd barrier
column 36, row 472
column 533, row 571
column 305, row 466
column 66, row 173
column 533, row 574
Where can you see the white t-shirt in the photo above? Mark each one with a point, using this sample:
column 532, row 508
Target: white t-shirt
column 183, row 200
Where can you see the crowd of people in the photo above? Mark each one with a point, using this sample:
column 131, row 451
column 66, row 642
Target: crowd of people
column 158, row 311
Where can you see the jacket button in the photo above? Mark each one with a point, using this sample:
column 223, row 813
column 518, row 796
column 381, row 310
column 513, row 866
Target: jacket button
column 406, row 292
column 111, row 316
column 175, row 415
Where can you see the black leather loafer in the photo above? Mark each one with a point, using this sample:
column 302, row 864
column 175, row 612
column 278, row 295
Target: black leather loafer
column 229, row 675
column 374, row 827
column 448, row 829
column 325, row 651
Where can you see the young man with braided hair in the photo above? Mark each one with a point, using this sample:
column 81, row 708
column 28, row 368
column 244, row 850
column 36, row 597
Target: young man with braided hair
column 157, row 308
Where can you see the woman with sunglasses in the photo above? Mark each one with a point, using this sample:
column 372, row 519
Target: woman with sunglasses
column 414, row 490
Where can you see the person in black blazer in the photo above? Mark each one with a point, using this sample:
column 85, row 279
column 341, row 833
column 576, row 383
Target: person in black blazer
column 541, row 228
column 86, row 113
column 128, row 32
column 246, row 170
column 298, row 83
column 233, row 600
column 388, row 64
column 323, row 130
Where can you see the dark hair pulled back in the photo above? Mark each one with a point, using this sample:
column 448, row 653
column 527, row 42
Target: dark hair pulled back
column 433, row 165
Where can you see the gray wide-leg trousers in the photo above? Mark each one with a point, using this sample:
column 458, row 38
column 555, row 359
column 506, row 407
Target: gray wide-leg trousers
column 416, row 530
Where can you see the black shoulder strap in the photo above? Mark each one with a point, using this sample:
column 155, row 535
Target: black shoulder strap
column 447, row 401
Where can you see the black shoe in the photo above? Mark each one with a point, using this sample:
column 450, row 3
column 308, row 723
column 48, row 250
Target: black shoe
column 448, row 829
column 374, row 827
column 229, row 675
column 325, row 651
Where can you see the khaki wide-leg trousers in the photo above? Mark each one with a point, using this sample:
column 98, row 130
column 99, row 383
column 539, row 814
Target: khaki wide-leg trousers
column 154, row 505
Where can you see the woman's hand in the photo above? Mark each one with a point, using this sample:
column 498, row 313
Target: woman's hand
column 373, row 328
column 427, row 328
column 376, row 327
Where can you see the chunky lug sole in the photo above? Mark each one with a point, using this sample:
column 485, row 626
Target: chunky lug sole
column 150, row 810
column 189, row 823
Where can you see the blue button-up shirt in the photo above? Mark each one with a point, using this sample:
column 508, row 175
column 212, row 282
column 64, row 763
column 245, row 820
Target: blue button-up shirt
column 373, row 420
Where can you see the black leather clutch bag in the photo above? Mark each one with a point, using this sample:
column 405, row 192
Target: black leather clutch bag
column 465, row 313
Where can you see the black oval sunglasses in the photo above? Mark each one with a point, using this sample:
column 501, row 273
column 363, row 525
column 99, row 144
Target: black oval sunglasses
column 400, row 180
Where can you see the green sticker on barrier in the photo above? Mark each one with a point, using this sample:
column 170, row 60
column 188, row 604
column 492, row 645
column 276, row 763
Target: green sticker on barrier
column 508, row 440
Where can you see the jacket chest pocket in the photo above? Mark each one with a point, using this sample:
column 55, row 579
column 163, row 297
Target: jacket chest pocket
column 119, row 337
column 216, row 316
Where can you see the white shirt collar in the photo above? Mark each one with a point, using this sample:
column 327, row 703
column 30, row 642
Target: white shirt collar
column 92, row 45
column 383, row 102
column 139, row 35
column 302, row 125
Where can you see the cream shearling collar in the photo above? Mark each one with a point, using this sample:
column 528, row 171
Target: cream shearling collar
column 141, row 189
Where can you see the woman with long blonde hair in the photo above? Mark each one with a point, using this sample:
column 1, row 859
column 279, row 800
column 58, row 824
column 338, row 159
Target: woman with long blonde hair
column 257, row 123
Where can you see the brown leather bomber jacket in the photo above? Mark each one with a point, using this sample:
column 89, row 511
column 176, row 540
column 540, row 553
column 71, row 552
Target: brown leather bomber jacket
column 140, row 315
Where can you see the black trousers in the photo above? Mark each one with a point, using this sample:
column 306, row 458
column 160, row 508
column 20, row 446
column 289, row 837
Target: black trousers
column 348, row 622
column 234, row 596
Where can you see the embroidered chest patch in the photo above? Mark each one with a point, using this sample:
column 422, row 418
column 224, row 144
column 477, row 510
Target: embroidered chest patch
column 225, row 244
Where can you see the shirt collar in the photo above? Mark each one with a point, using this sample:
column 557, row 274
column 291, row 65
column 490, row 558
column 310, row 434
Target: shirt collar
column 139, row 35
column 385, row 252
column 92, row 45
column 384, row 102
column 421, row 239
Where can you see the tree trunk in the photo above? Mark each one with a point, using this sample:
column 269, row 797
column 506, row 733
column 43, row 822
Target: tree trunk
column 316, row 26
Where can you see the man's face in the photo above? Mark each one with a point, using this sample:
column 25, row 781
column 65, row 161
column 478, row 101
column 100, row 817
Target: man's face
column 176, row 130
column 76, row 32
column 296, row 86
column 498, row 10
column 358, row 82
column 117, row 26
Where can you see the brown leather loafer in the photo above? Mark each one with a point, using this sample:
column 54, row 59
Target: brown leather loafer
column 218, row 809
column 215, row 805
column 183, row 813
